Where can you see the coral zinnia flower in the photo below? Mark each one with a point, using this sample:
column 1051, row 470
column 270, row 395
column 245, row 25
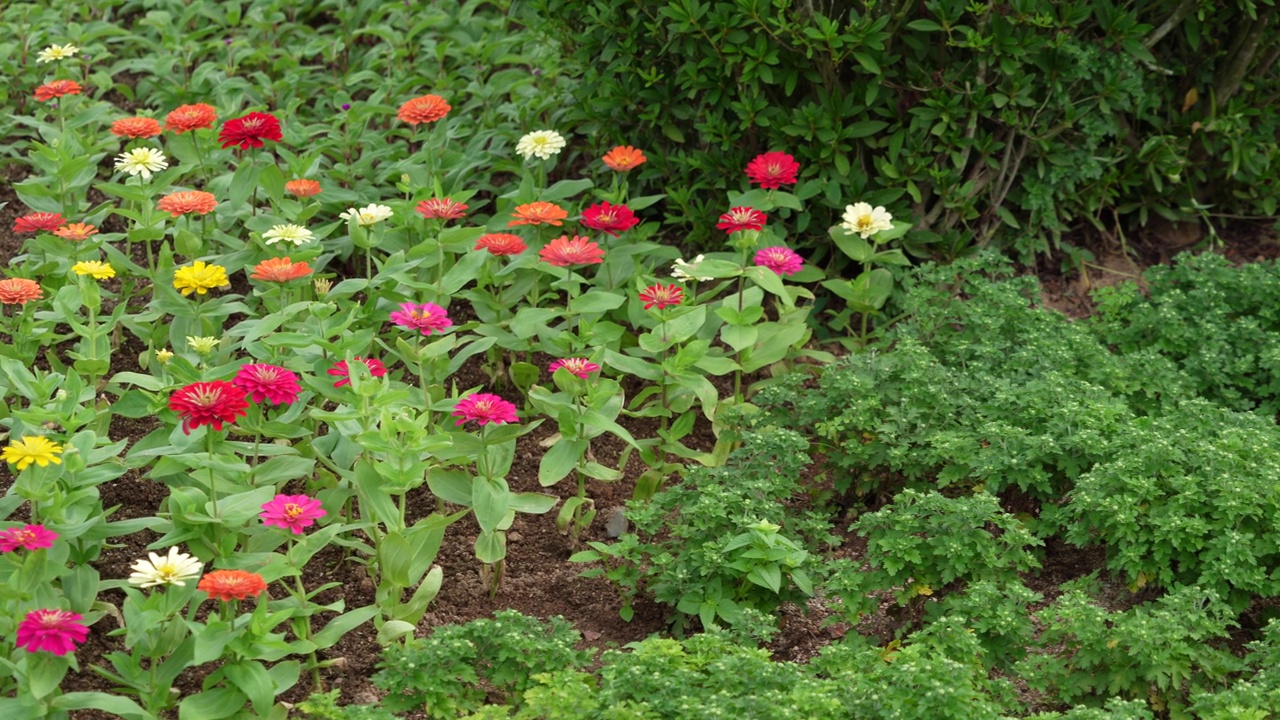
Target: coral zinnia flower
column 142, row 161
column 425, row 109
column 663, row 296
column 376, row 369
column 484, row 408
column 295, row 234
column 292, row 512
column 427, row 318
column 96, row 268
column 501, row 244
column 32, row 449
column 612, row 219
column 578, row 366
column 136, row 127
column 76, row 231
column 865, row 221
column 272, row 383
column 57, row 631
column 302, row 187
column 280, row 270
column 781, row 260
column 19, row 291
column 175, row 568
column 742, row 218
column 54, row 53
column 39, row 221
column 208, row 403
column 772, row 170
column 27, row 537
column 57, row 89
column 228, row 585
column 563, row 252
column 190, row 117
column 199, row 277
column 624, row 158
column 187, row 201
column 540, row 143
column 538, row 213
column 249, row 131
column 442, row 209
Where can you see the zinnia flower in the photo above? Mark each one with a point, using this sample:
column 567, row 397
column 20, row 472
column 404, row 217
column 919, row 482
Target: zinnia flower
column 187, row 201
column 136, row 127
column 228, row 585
column 190, row 117
column 96, row 268
column 427, row 318
column 175, row 568
column 57, row 89
column 563, row 252
column 441, row 209
column 19, row 291
column 682, row 270
column 57, row 631
column 215, row 403
column 203, row 345
column 484, row 408
column 54, row 53
column 280, row 270
column 538, row 213
column 371, row 214
column 624, row 158
column 540, row 143
column 39, row 221
column 612, row 219
column 578, row 366
column 779, row 259
column 164, row 355
column 141, row 161
column 27, row 537
column 291, row 512
column 295, row 234
column 272, row 383
column 249, row 131
column 32, row 449
column 76, row 231
column 772, row 170
column 501, row 244
column 302, row 187
column 663, row 296
column 199, row 277
column 864, row 220
column 425, row 109
column 742, row 218
column 376, row 369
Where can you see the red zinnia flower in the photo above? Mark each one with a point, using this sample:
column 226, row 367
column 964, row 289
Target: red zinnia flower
column 190, row 117
column 538, row 213
column 272, row 383
column 612, row 219
column 376, row 369
column 57, row 89
column 578, row 366
column 57, row 631
column 442, row 209
column 779, row 259
column 27, row 537
column 249, row 131
column 484, row 408
column 19, row 291
column 35, row 222
column 425, row 109
column 623, row 158
column 76, row 231
column 772, row 170
column 427, row 318
column 302, row 187
column 563, row 252
column 291, row 512
column 280, row 270
column 208, row 403
column 663, row 296
column 501, row 244
column 228, row 585
column 742, row 218
column 187, row 201
column 136, row 127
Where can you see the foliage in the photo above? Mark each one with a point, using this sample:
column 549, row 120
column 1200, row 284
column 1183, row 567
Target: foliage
column 1255, row 694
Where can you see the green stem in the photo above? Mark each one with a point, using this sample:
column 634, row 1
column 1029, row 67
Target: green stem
column 306, row 624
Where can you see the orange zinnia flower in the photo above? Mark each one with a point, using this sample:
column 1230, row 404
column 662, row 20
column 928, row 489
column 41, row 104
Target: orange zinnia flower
column 57, row 89
column 136, row 127
column 563, row 252
column 302, row 187
column 187, row 201
column 538, row 213
column 76, row 231
column 425, row 109
column 19, row 291
column 227, row 585
column 624, row 158
column 190, row 117
column 280, row 270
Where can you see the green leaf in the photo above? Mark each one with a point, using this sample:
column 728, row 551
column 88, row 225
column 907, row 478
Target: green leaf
column 490, row 497
column 739, row 337
column 560, row 460
column 212, row 704
column 491, row 547
column 44, row 673
column 343, row 624
column 596, row 301
column 252, row 679
column 451, row 485
column 105, row 702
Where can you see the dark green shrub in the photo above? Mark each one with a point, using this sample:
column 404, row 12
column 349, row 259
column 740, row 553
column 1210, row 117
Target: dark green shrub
column 1255, row 695
column 998, row 614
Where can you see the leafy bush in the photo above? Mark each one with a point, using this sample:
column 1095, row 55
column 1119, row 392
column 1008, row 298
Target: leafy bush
column 1255, row 695
column 997, row 612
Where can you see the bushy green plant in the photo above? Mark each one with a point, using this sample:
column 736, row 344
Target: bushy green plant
column 997, row 612
column 1255, row 694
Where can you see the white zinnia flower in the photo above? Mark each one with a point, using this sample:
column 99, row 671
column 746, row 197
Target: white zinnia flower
column 175, row 569
column 295, row 234
column 368, row 215
column 54, row 53
column 142, row 161
column 865, row 220
column 542, row 143
column 685, row 270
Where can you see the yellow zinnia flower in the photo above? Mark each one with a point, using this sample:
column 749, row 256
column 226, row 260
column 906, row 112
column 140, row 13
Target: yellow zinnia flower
column 98, row 269
column 199, row 277
column 32, row 449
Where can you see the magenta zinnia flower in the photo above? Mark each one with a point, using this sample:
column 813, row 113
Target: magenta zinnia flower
column 742, row 218
column 267, row 382
column 779, row 259
column 578, row 366
column 57, row 631
column 662, row 296
column 376, row 369
column 772, row 170
column 292, row 512
column 249, row 131
column 612, row 219
column 28, row 537
column 208, row 403
column 484, row 408
column 427, row 318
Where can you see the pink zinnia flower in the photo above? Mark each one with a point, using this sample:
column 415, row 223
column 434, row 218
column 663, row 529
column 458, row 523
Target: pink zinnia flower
column 376, row 369
column 442, row 209
column 772, row 170
column 612, row 219
column 742, row 218
column 28, row 537
column 292, row 512
column 427, row 318
column 779, row 259
column 578, row 366
column 661, row 295
column 267, row 382
column 57, row 631
column 563, row 252
column 484, row 408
